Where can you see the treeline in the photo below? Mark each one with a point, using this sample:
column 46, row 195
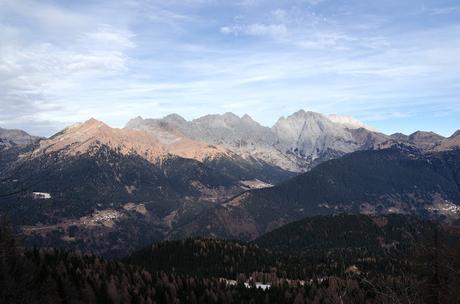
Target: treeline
column 311, row 248
column 232, row 259
column 396, row 256
column 56, row 276
column 197, row 271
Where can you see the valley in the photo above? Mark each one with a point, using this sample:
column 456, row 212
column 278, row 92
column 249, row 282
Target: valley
column 110, row 191
column 320, row 209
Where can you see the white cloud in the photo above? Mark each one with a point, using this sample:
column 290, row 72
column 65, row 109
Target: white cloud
column 234, row 29
column 108, row 38
column 276, row 31
column 280, row 14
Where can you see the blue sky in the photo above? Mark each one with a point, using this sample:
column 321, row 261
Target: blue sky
column 393, row 64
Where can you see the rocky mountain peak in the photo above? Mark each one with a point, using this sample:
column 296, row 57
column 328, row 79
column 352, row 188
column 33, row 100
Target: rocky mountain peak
column 175, row 119
column 306, row 115
column 226, row 120
column 293, row 123
column 230, row 115
column 247, row 120
column 246, row 117
column 92, row 134
column 93, row 122
column 450, row 143
column 300, row 122
column 423, row 135
column 456, row 133
column 312, row 135
column 399, row 136
column 425, row 140
column 91, row 127
column 136, row 120
column 175, row 134
column 10, row 137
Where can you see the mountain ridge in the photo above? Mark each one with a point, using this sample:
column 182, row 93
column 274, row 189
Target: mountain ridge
column 16, row 137
column 400, row 179
column 98, row 188
column 247, row 138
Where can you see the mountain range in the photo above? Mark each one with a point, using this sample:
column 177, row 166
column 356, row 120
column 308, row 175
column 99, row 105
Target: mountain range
column 110, row 190
column 294, row 143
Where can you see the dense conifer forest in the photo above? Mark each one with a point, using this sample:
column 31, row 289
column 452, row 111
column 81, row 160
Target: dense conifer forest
column 424, row 270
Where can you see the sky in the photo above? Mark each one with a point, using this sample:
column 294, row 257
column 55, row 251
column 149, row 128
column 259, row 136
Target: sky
column 393, row 64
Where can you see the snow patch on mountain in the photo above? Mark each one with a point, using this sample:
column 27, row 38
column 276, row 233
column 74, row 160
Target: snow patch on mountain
column 349, row 122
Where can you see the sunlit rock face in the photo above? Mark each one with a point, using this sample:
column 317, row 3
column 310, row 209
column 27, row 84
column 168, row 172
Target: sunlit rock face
column 295, row 143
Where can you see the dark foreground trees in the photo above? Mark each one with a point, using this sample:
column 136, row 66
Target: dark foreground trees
column 58, row 276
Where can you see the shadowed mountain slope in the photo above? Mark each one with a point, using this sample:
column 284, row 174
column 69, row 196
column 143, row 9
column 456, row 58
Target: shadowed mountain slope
column 395, row 180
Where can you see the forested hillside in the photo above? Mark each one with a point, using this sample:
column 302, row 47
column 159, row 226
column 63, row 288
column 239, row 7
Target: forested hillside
column 400, row 180
column 216, row 271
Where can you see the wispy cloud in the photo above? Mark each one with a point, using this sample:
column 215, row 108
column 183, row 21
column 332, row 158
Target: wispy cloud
column 443, row 10
column 257, row 29
column 62, row 62
column 48, row 51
